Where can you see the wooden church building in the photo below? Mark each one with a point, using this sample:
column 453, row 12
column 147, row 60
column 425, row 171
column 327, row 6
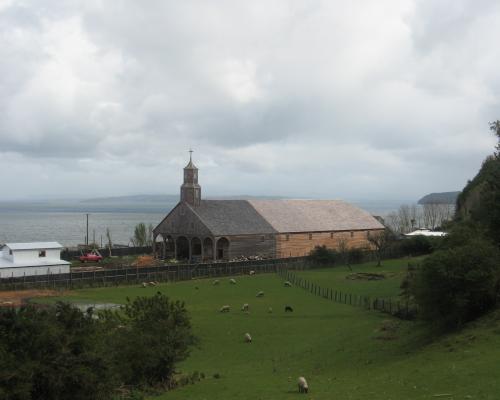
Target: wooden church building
column 208, row 230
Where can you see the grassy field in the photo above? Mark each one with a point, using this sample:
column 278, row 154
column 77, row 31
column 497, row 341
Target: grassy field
column 337, row 278
column 345, row 352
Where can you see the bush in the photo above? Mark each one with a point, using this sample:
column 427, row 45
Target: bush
column 417, row 245
column 323, row 255
column 156, row 337
column 458, row 283
column 355, row 256
column 61, row 352
column 52, row 354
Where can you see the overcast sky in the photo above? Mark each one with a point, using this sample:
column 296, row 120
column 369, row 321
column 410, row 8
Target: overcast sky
column 333, row 99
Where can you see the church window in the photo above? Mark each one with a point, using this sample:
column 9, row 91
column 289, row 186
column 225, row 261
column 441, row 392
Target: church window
column 287, row 237
column 310, row 236
column 331, row 235
column 41, row 253
column 352, row 234
column 262, row 238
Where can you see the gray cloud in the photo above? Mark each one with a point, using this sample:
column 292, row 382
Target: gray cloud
column 388, row 99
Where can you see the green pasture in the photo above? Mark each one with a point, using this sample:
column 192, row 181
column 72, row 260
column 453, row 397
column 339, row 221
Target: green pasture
column 345, row 352
column 337, row 278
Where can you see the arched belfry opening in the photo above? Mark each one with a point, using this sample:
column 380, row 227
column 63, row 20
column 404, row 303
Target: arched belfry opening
column 190, row 189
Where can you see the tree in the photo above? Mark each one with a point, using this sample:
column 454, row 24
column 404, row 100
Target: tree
column 495, row 128
column 52, row 354
column 381, row 241
column 110, row 243
column 140, row 238
column 459, row 283
column 156, row 337
column 343, row 250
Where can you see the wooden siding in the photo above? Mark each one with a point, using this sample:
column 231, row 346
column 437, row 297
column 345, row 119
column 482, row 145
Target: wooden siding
column 252, row 245
column 182, row 221
column 300, row 244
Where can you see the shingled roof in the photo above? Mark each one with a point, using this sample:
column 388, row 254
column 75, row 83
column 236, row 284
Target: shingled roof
column 231, row 217
column 314, row 215
column 236, row 217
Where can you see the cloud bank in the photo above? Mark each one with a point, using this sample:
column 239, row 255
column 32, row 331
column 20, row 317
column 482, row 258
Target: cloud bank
column 387, row 99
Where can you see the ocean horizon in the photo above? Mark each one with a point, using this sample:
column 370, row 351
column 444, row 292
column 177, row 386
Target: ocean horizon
column 64, row 221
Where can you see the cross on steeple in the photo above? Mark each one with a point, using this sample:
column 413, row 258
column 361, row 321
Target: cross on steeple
column 190, row 154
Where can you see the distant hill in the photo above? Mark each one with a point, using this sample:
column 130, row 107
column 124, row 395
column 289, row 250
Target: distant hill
column 166, row 198
column 439, row 198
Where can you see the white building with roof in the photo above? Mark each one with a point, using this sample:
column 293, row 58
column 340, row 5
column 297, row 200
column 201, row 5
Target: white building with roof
column 426, row 232
column 38, row 258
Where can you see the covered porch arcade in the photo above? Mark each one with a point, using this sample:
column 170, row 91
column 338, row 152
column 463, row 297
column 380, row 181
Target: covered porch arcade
column 192, row 248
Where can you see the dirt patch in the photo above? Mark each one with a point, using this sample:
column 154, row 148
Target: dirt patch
column 20, row 297
column 366, row 276
column 388, row 330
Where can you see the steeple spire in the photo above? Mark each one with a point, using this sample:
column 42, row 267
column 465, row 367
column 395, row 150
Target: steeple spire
column 190, row 190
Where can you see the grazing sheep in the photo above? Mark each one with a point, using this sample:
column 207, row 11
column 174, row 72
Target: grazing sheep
column 225, row 308
column 302, row 383
column 232, row 281
column 288, row 284
column 216, row 282
column 248, row 338
column 144, row 284
column 152, row 283
column 270, row 310
column 288, row 309
column 245, row 307
column 260, row 294
column 252, row 272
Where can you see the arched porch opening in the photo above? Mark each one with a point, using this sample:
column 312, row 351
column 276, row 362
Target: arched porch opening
column 196, row 249
column 182, row 248
column 208, row 249
column 169, row 246
column 222, row 249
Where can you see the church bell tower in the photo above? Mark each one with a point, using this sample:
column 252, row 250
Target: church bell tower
column 190, row 190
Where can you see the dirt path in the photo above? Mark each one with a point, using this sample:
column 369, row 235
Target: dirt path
column 18, row 297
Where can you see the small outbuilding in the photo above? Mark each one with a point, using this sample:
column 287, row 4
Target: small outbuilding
column 426, row 232
column 25, row 259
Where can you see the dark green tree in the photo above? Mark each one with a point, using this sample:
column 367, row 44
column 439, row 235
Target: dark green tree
column 458, row 283
column 156, row 334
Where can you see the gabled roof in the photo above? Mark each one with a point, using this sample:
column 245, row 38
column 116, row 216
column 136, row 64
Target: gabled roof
column 314, row 215
column 231, row 217
column 34, row 246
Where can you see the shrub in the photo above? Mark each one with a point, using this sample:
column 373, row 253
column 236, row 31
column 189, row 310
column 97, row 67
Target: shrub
column 323, row 255
column 355, row 255
column 458, row 283
column 157, row 336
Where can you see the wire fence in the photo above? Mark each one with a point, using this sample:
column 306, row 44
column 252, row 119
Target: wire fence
column 397, row 308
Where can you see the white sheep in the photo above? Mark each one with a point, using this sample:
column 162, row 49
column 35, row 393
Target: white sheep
column 232, row 281
column 302, row 383
column 152, row 283
column 260, row 294
column 245, row 307
column 216, row 282
column 252, row 272
column 144, row 284
column 225, row 308
column 288, row 284
column 248, row 338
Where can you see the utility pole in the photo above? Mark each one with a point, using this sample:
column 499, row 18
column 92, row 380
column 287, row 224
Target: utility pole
column 87, row 237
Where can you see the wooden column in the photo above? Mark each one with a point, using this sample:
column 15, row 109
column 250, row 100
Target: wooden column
column 164, row 248
column 175, row 247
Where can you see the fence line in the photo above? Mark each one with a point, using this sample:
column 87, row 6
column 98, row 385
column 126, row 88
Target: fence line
column 137, row 275
column 402, row 310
